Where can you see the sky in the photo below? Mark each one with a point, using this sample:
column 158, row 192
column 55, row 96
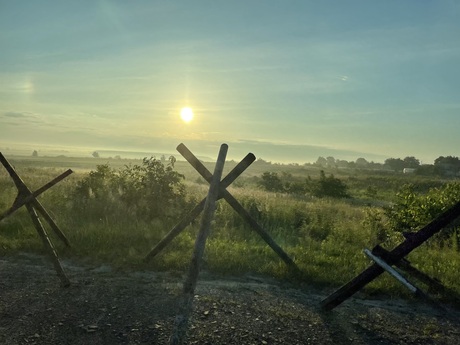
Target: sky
column 286, row 80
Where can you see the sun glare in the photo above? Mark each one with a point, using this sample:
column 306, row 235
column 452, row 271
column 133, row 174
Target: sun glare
column 186, row 114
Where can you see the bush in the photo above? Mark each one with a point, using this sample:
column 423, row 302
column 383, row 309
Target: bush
column 330, row 187
column 412, row 211
column 147, row 191
column 271, row 182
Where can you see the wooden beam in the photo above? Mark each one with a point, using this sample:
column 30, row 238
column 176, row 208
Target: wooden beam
column 402, row 250
column 206, row 174
column 178, row 228
column 181, row 320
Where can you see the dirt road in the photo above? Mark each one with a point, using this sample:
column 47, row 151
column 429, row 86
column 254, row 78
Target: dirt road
column 103, row 306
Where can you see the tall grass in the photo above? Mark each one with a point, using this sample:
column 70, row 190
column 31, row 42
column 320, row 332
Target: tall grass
column 324, row 237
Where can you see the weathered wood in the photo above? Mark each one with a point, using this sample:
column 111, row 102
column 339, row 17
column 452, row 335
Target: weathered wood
column 206, row 174
column 16, row 179
column 379, row 261
column 406, row 266
column 48, row 245
column 51, row 222
column 260, row 231
column 26, row 198
column 180, row 329
column 178, row 228
column 402, row 250
column 395, row 274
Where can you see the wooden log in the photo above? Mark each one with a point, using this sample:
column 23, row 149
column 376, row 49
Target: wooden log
column 48, row 246
column 51, row 222
column 25, row 198
column 204, row 172
column 178, row 228
column 406, row 266
column 260, row 231
column 16, row 179
column 181, row 321
column 402, row 250
column 379, row 261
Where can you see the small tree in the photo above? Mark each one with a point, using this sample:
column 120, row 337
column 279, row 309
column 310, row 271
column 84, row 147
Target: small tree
column 362, row 163
column 411, row 162
column 396, row 164
column 35, row 153
column 95, row 154
column 330, row 187
column 271, row 182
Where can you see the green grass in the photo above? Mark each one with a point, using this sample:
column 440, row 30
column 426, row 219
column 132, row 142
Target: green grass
column 325, row 237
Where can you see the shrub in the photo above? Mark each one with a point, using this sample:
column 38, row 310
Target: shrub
column 271, row 182
column 151, row 190
column 329, row 186
column 412, row 211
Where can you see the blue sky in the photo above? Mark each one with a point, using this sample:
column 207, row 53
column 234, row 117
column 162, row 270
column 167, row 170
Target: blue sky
column 286, row 80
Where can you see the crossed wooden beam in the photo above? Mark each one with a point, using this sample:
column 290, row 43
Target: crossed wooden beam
column 217, row 190
column 383, row 260
column 29, row 199
column 222, row 193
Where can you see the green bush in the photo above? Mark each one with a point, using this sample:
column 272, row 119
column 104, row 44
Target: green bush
column 330, row 186
column 271, row 182
column 412, row 210
column 147, row 191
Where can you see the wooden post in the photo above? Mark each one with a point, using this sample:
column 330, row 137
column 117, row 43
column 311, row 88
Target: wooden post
column 232, row 175
column 392, row 271
column 176, row 230
column 48, row 245
column 262, row 233
column 23, row 199
column 181, row 321
column 204, row 172
column 402, row 250
column 406, row 266
column 27, row 198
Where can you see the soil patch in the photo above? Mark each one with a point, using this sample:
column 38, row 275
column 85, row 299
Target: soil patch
column 103, row 306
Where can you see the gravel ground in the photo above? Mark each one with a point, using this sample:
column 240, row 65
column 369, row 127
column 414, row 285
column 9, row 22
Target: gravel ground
column 103, row 306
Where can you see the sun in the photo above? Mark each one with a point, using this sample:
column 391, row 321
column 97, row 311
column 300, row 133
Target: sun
column 186, row 114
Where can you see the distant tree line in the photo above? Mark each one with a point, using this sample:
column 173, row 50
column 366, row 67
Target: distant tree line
column 443, row 166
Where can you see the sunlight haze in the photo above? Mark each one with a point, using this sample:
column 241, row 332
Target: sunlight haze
column 286, row 80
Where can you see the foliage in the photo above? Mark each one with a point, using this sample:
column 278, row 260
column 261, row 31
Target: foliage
column 396, row 164
column 150, row 190
column 326, row 186
column 411, row 162
column 271, row 182
column 447, row 165
column 330, row 186
column 412, row 210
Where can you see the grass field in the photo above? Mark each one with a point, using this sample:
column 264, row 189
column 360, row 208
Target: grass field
column 324, row 236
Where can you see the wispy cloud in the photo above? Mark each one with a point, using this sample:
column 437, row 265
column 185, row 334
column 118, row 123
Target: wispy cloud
column 20, row 116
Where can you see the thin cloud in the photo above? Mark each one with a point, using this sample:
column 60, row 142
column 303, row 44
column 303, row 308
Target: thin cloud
column 18, row 115
column 19, row 118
